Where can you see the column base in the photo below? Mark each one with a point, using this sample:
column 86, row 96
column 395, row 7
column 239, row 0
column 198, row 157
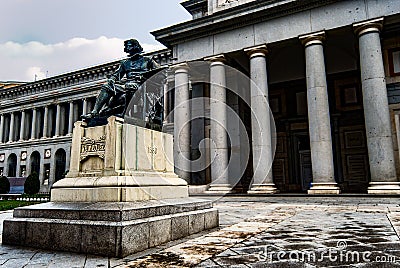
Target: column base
column 263, row 189
column 384, row 188
column 324, row 188
column 220, row 189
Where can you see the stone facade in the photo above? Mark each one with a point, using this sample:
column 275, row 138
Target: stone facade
column 322, row 67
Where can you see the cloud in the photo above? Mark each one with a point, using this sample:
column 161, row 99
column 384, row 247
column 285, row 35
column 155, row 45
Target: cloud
column 22, row 62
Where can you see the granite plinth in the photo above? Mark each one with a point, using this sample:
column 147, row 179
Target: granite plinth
column 114, row 229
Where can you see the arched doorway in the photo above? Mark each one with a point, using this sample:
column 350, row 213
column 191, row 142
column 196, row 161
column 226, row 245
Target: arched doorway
column 35, row 162
column 60, row 158
column 12, row 165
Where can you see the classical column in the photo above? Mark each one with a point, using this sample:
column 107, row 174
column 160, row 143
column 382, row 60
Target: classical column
column 318, row 117
column 11, row 135
column 261, row 123
column 1, row 127
column 58, row 121
column 85, row 106
column 45, row 121
column 376, row 110
column 182, row 122
column 22, row 126
column 71, row 118
column 34, row 123
column 218, row 126
column 165, row 101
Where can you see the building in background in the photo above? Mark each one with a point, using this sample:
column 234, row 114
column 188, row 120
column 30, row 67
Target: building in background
column 37, row 119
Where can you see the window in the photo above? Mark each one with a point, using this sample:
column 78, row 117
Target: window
column 394, row 61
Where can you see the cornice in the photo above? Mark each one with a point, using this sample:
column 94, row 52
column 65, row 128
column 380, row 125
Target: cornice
column 240, row 16
column 75, row 79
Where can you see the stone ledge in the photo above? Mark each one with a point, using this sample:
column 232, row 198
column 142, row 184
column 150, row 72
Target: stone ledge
column 122, row 211
column 117, row 238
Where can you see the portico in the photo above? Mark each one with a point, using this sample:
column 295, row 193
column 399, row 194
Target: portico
column 333, row 127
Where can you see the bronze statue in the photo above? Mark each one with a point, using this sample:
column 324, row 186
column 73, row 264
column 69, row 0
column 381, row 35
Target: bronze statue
column 117, row 92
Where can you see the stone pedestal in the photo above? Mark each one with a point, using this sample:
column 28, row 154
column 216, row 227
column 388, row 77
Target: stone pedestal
column 114, row 229
column 120, row 197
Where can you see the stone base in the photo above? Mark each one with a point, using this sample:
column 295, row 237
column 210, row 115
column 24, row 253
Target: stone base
column 197, row 189
column 389, row 188
column 220, row 189
column 114, row 229
column 138, row 187
column 324, row 188
column 263, row 189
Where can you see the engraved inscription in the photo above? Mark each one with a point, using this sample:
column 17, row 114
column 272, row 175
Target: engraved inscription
column 152, row 150
column 92, row 147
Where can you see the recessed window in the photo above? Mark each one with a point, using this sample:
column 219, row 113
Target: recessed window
column 394, row 61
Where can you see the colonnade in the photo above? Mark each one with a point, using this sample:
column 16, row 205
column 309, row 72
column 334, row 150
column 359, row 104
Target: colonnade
column 38, row 122
column 376, row 109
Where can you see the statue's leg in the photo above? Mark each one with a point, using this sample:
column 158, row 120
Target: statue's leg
column 103, row 97
column 130, row 90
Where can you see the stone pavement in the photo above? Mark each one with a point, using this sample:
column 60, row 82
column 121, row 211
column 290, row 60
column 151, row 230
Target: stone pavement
column 275, row 231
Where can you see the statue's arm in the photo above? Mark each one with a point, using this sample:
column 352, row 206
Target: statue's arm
column 119, row 73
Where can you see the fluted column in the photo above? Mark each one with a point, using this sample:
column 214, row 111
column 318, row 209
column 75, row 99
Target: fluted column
column 218, row 126
column 22, row 126
column 34, row 123
column 376, row 110
column 45, row 121
column 58, row 121
column 319, row 117
column 11, row 135
column 182, row 122
column 1, row 127
column 261, row 123
column 71, row 118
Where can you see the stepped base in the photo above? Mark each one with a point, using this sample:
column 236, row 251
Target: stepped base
column 324, row 188
column 268, row 188
column 114, row 229
column 389, row 188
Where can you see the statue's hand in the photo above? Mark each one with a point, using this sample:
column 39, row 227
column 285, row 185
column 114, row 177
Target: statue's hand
column 131, row 86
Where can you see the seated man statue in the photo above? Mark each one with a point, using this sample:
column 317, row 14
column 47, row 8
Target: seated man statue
column 117, row 92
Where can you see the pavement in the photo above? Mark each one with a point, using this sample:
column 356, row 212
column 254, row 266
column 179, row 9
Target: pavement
column 263, row 231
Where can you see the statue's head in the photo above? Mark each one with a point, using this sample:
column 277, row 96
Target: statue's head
column 132, row 47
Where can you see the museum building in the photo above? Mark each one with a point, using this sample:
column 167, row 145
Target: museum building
column 330, row 71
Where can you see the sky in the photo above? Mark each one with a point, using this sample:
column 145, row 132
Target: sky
column 44, row 38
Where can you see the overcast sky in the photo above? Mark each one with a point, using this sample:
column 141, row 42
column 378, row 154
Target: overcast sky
column 51, row 37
